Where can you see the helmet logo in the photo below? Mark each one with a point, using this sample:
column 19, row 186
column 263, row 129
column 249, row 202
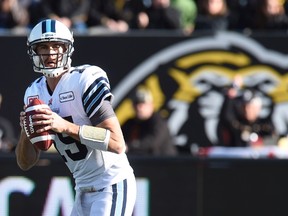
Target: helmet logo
column 50, row 34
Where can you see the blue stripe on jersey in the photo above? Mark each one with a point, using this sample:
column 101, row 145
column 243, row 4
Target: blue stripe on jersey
column 53, row 26
column 119, row 202
column 97, row 100
column 48, row 26
column 94, row 87
column 94, row 94
column 114, row 200
column 124, row 197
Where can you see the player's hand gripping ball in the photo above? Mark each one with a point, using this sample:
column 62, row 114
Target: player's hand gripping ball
column 43, row 140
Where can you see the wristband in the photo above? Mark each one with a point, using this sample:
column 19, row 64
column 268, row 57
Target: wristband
column 94, row 137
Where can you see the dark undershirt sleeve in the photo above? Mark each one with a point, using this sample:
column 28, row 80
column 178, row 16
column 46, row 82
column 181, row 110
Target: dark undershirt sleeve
column 105, row 111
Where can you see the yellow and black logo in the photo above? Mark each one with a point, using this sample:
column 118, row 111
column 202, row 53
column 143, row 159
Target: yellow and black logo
column 188, row 81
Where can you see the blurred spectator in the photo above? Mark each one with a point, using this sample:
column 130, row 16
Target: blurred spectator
column 215, row 15
column 73, row 13
column 13, row 16
column 269, row 14
column 103, row 15
column 241, row 124
column 131, row 9
column 159, row 15
column 188, row 10
column 35, row 10
column 7, row 134
column 233, row 90
column 242, row 11
column 148, row 132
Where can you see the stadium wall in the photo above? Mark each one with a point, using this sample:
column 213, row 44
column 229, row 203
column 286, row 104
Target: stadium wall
column 166, row 186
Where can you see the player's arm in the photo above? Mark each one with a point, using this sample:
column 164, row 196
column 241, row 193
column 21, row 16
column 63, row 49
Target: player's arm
column 105, row 135
column 27, row 155
column 116, row 140
column 106, row 119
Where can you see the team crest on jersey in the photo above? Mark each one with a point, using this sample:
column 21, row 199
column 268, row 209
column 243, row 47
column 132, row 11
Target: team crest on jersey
column 50, row 102
column 66, row 96
column 30, row 98
column 187, row 81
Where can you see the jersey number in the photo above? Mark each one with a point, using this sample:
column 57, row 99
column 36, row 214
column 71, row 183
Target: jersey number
column 67, row 140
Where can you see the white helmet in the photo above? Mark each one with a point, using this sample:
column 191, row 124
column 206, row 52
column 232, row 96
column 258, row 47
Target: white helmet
column 50, row 31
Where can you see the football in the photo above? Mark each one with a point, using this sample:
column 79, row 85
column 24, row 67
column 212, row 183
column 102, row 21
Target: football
column 43, row 140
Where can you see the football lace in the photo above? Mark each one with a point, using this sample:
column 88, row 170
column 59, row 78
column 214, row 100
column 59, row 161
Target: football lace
column 26, row 128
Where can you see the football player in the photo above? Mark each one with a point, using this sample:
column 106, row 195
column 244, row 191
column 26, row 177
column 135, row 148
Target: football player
column 89, row 136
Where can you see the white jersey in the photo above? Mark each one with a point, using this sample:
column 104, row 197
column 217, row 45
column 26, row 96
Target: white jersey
column 78, row 96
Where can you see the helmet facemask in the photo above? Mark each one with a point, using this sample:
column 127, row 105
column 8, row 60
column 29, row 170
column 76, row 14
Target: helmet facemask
column 63, row 61
column 55, row 32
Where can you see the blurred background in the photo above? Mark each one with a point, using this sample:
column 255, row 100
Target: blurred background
column 215, row 76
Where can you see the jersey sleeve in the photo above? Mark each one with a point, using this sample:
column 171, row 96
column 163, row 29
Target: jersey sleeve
column 32, row 91
column 96, row 88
